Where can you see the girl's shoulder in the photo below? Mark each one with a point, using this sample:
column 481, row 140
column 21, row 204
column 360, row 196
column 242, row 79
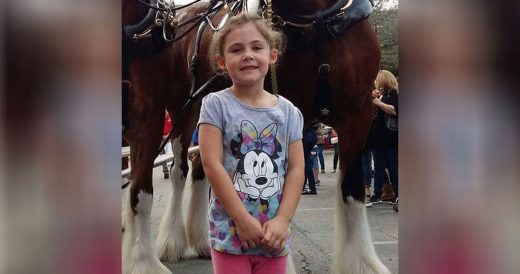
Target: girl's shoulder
column 218, row 98
column 217, row 94
column 284, row 102
column 289, row 106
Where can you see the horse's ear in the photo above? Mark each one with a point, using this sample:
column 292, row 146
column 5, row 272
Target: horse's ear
column 221, row 62
column 273, row 56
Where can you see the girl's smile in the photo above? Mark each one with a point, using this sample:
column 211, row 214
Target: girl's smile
column 248, row 68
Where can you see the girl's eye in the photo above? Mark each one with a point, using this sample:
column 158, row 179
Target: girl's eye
column 234, row 49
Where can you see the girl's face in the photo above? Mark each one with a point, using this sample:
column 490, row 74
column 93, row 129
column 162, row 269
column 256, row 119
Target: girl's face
column 246, row 56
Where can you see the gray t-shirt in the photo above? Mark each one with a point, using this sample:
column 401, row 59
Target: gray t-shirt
column 256, row 143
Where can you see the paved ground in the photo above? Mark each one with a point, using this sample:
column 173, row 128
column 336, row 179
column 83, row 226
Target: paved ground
column 312, row 228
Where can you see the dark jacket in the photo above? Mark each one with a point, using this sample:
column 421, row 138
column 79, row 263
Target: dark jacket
column 310, row 137
column 380, row 135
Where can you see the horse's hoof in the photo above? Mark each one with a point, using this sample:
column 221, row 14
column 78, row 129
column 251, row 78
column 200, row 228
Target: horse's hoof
column 148, row 267
column 169, row 249
column 203, row 252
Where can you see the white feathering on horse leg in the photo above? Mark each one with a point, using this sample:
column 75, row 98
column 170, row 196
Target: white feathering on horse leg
column 128, row 237
column 197, row 220
column 125, row 208
column 353, row 248
column 171, row 240
column 138, row 254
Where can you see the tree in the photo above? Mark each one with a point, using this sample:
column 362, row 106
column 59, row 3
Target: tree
column 384, row 20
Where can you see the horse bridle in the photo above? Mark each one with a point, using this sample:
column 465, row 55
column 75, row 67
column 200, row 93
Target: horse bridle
column 309, row 19
column 165, row 14
column 168, row 14
column 168, row 7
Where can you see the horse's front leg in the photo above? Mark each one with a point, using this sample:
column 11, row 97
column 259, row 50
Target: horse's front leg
column 197, row 227
column 138, row 254
column 171, row 240
column 353, row 248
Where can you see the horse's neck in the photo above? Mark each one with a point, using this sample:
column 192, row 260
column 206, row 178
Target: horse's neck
column 301, row 6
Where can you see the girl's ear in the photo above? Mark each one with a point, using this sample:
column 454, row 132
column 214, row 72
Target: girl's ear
column 273, row 56
column 221, row 62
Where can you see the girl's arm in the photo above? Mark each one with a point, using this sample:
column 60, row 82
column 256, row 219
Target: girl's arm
column 249, row 229
column 385, row 107
column 294, row 180
column 277, row 229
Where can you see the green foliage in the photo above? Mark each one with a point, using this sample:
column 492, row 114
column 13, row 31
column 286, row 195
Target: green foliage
column 384, row 20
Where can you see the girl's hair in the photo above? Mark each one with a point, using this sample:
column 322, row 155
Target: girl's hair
column 385, row 80
column 275, row 39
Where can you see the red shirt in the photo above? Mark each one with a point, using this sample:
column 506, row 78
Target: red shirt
column 167, row 125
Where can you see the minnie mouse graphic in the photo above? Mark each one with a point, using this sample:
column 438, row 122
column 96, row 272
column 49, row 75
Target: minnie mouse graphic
column 257, row 173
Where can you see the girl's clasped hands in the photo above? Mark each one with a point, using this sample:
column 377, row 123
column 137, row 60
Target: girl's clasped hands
column 272, row 235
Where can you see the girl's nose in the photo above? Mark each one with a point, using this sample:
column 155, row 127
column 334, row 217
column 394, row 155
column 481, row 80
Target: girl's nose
column 248, row 57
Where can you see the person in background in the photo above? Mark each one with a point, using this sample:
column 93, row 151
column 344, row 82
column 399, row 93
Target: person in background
column 383, row 140
column 168, row 148
column 366, row 160
column 310, row 137
column 319, row 143
column 315, row 166
column 335, row 141
column 195, row 138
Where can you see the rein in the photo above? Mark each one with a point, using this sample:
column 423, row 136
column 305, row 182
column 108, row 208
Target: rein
column 191, row 98
column 193, row 64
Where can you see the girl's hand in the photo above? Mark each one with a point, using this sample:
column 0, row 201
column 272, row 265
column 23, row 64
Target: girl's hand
column 276, row 233
column 249, row 232
column 376, row 101
column 376, row 93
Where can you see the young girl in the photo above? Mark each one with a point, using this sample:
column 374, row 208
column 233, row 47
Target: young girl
column 251, row 149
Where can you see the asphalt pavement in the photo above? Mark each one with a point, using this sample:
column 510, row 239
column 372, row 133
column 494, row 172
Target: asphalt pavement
column 312, row 227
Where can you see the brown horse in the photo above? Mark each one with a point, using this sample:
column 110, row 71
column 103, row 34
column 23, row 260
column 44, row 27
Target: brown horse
column 327, row 72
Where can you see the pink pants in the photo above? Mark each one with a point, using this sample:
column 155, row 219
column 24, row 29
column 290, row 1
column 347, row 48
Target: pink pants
column 225, row 263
